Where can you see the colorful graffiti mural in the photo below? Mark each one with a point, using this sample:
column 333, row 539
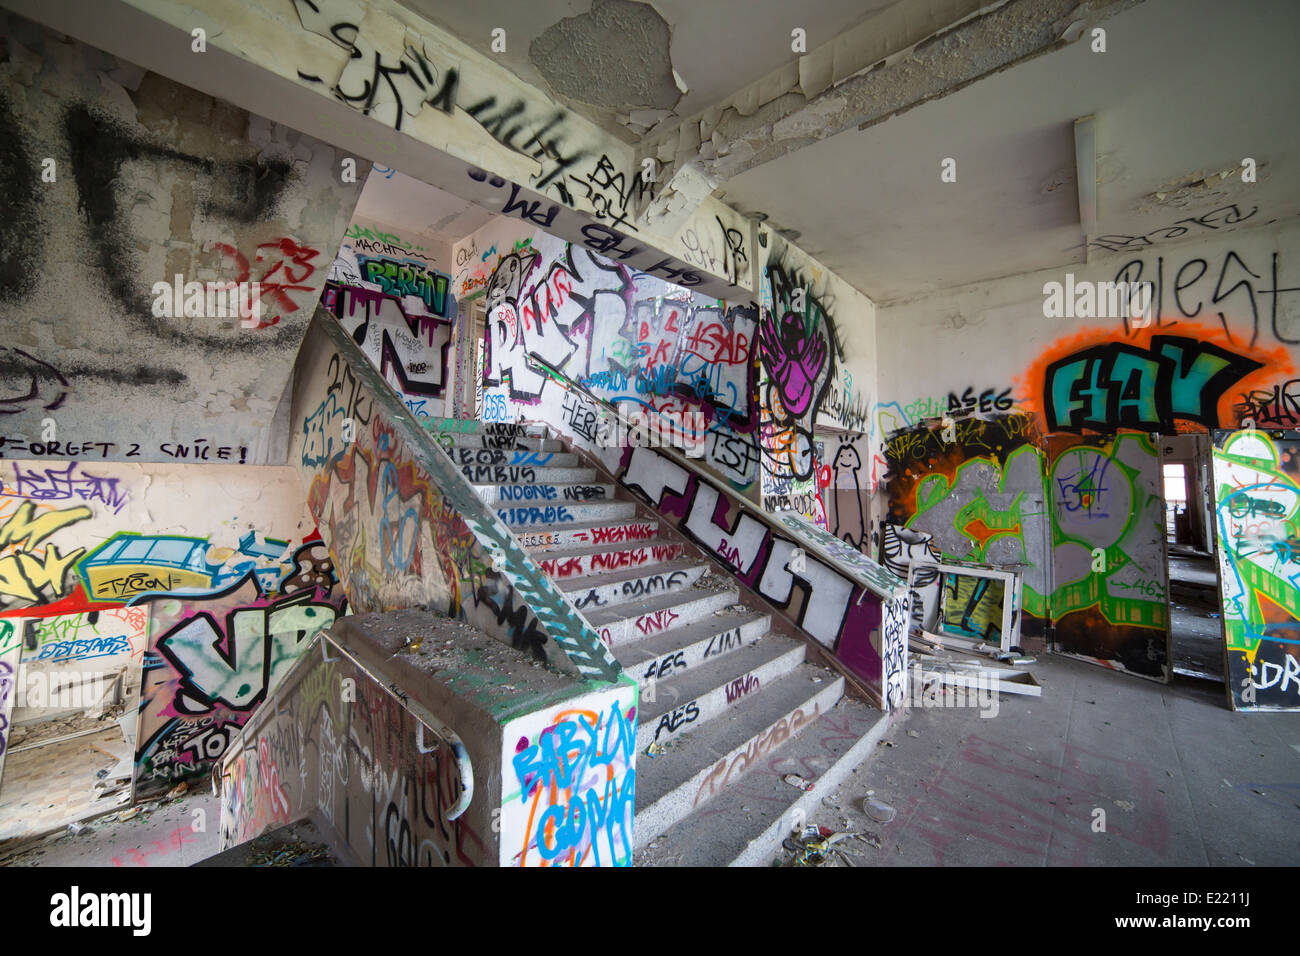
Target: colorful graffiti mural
column 569, row 783
column 215, row 656
column 1160, row 378
column 1257, row 503
column 867, row 635
column 683, row 363
column 404, row 525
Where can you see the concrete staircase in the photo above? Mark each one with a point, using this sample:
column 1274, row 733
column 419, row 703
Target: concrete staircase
column 729, row 706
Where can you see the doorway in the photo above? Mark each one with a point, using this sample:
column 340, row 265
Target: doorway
column 1194, row 610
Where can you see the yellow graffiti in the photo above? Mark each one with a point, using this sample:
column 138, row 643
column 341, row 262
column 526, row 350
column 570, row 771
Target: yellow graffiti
column 25, row 573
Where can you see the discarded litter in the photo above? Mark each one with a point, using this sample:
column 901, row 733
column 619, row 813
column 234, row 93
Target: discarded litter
column 654, row 750
column 794, row 780
column 75, row 829
column 870, row 839
column 878, row 810
column 816, row 846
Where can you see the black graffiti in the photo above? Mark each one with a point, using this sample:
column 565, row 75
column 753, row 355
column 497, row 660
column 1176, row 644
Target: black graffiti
column 677, row 718
column 1233, row 278
column 1118, row 385
column 608, row 191
column 1279, row 408
column 507, row 122
column 26, row 382
column 240, row 191
column 721, row 643
column 985, row 402
column 519, row 621
column 643, row 587
column 1224, row 215
column 661, row 668
column 498, row 474
column 22, row 236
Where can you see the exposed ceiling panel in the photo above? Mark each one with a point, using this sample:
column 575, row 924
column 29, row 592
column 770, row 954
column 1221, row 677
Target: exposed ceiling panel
column 1185, row 88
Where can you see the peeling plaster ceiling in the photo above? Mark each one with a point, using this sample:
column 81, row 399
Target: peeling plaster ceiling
column 718, row 46
column 1186, row 89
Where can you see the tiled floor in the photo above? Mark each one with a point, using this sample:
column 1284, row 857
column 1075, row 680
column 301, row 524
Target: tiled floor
column 53, row 785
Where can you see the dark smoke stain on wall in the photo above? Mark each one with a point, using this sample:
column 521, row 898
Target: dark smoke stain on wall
column 22, row 239
column 100, row 146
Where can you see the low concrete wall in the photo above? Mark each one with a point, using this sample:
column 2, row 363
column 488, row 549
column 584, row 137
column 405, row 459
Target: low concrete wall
column 350, row 739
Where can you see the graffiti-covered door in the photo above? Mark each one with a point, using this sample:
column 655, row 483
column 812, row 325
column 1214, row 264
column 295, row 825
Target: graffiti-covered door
column 1109, row 573
column 1256, row 478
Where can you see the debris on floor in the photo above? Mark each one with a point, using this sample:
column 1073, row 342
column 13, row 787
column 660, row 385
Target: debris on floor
column 822, row 846
column 292, row 852
column 878, row 810
column 794, row 780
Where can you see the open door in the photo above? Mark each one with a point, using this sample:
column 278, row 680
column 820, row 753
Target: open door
column 1109, row 575
column 1257, row 510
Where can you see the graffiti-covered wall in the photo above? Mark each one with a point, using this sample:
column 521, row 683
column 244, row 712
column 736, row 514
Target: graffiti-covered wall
column 1257, row 499
column 743, row 389
column 341, row 746
column 403, row 524
column 390, row 290
column 1015, row 464
column 107, row 570
column 135, row 217
column 818, row 371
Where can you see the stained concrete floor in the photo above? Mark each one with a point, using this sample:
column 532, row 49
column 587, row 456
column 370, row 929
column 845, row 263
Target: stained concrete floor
column 1183, row 781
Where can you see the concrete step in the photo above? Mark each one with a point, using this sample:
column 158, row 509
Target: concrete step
column 679, row 649
column 699, row 695
column 502, row 442
column 634, row 620
column 545, row 515
column 698, row 766
column 513, row 474
column 583, row 533
column 543, row 493
column 747, row 823
column 515, row 459
column 610, row 588
column 453, row 426
column 564, row 563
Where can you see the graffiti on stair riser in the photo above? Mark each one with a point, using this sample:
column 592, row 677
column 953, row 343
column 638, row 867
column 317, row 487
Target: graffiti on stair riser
column 828, row 606
column 1257, row 511
column 569, row 782
column 338, row 744
column 213, row 658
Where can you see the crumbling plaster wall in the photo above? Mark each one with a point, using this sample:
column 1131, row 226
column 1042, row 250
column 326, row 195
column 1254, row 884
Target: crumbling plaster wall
column 118, row 179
